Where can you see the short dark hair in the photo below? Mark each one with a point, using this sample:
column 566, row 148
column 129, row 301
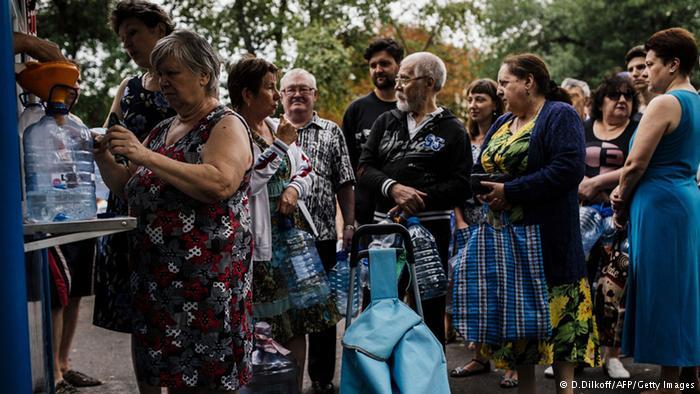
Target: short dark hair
column 249, row 73
column 636, row 51
column 384, row 44
column 612, row 84
column 677, row 43
column 528, row 63
column 488, row 87
column 148, row 13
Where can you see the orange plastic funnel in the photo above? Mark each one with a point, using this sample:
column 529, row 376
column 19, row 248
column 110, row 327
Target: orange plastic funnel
column 40, row 78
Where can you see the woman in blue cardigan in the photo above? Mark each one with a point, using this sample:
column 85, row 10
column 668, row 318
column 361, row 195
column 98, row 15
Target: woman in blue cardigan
column 539, row 145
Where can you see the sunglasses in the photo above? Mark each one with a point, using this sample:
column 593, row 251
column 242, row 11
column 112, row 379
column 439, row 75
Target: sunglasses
column 616, row 95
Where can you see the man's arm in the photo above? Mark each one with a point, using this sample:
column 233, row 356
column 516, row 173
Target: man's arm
column 41, row 50
column 343, row 181
column 349, row 131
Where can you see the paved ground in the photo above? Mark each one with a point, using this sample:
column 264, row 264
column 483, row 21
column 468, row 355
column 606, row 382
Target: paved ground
column 105, row 354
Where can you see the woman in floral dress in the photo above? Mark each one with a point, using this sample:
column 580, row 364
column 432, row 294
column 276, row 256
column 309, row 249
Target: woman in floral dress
column 140, row 106
column 188, row 186
column 281, row 180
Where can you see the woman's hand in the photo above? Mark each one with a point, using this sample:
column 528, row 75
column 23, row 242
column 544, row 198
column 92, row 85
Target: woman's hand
column 100, row 145
column 288, row 201
column 619, row 208
column 123, row 142
column 618, row 203
column 286, row 131
column 496, row 198
column 588, row 189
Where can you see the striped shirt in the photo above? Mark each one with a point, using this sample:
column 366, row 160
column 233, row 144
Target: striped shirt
column 324, row 143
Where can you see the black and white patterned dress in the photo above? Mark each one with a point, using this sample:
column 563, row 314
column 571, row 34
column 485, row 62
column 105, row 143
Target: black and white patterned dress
column 192, row 296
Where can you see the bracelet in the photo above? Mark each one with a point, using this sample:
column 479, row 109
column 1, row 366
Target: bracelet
column 349, row 226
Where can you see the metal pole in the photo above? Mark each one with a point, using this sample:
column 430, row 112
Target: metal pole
column 15, row 375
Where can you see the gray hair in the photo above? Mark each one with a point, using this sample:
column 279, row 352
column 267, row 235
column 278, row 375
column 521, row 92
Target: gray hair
column 428, row 65
column 298, row 71
column 194, row 52
column 576, row 83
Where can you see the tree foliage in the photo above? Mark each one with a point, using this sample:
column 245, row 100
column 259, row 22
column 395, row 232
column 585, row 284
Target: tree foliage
column 578, row 38
column 581, row 39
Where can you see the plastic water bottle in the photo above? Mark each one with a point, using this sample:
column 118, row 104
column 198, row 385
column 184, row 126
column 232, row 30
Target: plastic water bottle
column 59, row 169
column 592, row 227
column 306, row 279
column 273, row 372
column 33, row 112
column 339, row 281
column 430, row 275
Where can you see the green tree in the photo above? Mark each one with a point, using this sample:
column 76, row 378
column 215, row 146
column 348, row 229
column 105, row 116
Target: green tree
column 581, row 39
column 80, row 27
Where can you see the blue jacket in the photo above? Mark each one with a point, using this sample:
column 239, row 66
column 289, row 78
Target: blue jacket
column 548, row 192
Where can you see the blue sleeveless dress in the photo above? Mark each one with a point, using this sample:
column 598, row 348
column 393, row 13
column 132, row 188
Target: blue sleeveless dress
column 662, row 320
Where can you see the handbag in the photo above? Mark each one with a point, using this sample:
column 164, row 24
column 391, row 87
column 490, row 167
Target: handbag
column 609, row 306
column 500, row 290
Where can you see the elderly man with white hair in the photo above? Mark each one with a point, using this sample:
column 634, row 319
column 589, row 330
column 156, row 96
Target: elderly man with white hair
column 417, row 161
column 324, row 144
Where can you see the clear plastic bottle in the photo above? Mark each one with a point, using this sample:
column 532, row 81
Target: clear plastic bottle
column 306, row 279
column 59, row 169
column 33, row 112
column 430, row 274
column 592, row 227
column 339, row 281
column 273, row 372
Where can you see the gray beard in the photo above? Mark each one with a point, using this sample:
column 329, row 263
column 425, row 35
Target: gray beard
column 403, row 106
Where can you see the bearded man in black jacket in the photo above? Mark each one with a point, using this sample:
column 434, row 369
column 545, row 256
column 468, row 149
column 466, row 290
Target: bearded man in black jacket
column 417, row 162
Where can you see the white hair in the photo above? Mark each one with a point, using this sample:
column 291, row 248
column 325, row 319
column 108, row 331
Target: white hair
column 428, row 65
column 576, row 83
column 298, row 71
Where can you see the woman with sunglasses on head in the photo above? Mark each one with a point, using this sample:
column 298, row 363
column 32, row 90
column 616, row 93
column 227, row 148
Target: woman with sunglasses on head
column 608, row 134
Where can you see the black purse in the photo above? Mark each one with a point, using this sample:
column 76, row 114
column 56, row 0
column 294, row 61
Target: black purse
column 476, row 179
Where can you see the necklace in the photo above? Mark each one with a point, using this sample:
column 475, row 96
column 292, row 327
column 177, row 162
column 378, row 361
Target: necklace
column 518, row 125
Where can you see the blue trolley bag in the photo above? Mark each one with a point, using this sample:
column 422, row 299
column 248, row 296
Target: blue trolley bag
column 389, row 349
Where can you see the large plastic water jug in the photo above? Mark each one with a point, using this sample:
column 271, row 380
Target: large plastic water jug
column 59, row 169
column 430, row 273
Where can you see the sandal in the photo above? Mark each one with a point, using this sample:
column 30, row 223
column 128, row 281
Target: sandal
column 63, row 387
column 508, row 383
column 79, row 379
column 461, row 372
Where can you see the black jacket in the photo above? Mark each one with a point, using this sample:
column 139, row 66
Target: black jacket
column 437, row 161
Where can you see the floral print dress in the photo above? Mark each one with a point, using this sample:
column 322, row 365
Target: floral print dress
column 270, row 290
column 143, row 110
column 192, row 297
column 574, row 331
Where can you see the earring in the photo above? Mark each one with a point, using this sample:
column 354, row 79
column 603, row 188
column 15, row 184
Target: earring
column 527, row 91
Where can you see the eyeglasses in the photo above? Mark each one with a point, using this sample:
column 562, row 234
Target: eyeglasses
column 402, row 81
column 616, row 95
column 303, row 90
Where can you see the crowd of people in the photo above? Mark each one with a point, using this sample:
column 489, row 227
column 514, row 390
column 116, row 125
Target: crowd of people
column 211, row 184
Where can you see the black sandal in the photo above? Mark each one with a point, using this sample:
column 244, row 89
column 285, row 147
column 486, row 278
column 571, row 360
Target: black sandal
column 461, row 372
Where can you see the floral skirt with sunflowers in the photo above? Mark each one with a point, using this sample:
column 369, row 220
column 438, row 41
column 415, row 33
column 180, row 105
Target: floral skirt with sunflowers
column 574, row 333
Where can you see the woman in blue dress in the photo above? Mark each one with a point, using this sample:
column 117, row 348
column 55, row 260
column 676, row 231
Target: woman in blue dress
column 658, row 194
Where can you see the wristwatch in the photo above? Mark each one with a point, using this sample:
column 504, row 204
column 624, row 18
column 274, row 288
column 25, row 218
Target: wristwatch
column 349, row 226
